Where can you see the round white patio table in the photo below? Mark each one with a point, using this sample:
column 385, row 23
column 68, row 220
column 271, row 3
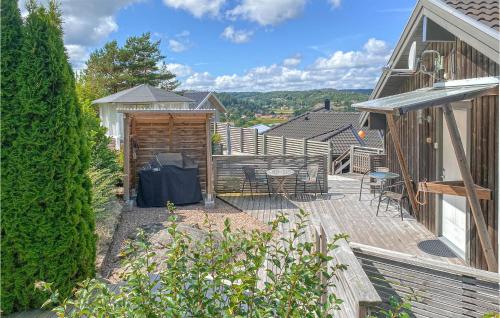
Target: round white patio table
column 280, row 175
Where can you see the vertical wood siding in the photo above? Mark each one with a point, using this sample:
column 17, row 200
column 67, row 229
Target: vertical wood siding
column 423, row 158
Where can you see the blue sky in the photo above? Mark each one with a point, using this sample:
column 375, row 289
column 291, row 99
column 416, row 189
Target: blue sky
column 249, row 44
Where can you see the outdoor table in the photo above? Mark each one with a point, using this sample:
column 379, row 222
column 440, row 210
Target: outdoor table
column 383, row 177
column 280, row 175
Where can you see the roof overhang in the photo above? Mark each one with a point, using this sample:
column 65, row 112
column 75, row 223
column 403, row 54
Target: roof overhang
column 439, row 94
column 214, row 100
column 483, row 38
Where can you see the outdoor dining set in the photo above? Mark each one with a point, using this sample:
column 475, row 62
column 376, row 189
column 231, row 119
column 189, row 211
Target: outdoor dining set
column 378, row 179
column 276, row 179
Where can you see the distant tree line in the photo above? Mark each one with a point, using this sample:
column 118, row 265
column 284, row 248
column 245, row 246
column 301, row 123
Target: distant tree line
column 242, row 106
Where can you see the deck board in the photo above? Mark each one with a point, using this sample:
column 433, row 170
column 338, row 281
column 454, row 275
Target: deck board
column 340, row 210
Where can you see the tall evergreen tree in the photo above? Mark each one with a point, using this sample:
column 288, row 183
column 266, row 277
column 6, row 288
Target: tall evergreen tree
column 11, row 29
column 49, row 225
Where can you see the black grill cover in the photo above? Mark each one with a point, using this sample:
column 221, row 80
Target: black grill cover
column 171, row 183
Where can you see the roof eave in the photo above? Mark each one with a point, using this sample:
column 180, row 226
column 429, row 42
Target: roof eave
column 476, row 34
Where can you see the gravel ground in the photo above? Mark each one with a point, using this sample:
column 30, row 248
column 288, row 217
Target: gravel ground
column 192, row 215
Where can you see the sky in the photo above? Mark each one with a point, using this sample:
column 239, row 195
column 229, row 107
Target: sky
column 249, row 45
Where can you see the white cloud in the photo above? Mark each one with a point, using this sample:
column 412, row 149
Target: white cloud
column 341, row 70
column 335, row 3
column 78, row 54
column 176, row 46
column 374, row 52
column 236, row 36
column 86, row 24
column 198, row 8
column 180, row 42
column 292, row 61
column 266, row 12
column 180, row 70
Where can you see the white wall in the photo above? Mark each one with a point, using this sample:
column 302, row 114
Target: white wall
column 113, row 121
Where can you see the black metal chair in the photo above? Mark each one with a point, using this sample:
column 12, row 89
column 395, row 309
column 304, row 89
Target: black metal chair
column 394, row 193
column 309, row 177
column 372, row 184
column 254, row 180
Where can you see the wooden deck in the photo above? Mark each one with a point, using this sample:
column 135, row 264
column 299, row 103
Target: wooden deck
column 340, row 210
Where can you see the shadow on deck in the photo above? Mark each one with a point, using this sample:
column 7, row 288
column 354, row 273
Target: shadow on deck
column 340, row 210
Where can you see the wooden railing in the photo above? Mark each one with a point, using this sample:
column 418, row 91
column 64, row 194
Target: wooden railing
column 229, row 176
column 360, row 158
column 248, row 141
column 353, row 286
column 441, row 290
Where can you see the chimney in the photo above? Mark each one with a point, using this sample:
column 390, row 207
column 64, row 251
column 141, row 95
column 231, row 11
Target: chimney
column 327, row 104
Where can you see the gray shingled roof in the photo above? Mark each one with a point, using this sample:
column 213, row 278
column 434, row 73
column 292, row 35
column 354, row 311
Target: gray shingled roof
column 143, row 93
column 197, row 97
column 484, row 11
column 324, row 125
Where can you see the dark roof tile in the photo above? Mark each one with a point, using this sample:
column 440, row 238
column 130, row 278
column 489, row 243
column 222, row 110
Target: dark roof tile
column 323, row 125
column 484, row 11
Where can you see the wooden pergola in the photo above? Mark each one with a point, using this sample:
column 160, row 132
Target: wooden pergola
column 156, row 121
column 441, row 95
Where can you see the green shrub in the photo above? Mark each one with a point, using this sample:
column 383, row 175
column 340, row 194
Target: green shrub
column 47, row 220
column 103, row 189
column 215, row 277
column 11, row 40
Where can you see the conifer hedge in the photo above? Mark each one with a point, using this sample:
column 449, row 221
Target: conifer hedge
column 47, row 221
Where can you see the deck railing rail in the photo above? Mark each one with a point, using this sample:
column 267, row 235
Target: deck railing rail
column 441, row 290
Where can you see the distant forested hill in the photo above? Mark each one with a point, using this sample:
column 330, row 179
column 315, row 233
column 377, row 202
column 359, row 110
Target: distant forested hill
column 244, row 107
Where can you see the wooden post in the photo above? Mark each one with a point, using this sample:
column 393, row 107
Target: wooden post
column 170, row 132
column 209, row 201
column 329, row 157
column 402, row 162
column 304, row 147
column 241, row 139
column 351, row 157
column 228, row 139
column 283, row 145
column 470, row 190
column 321, row 247
column 255, row 142
column 126, row 157
column 264, row 140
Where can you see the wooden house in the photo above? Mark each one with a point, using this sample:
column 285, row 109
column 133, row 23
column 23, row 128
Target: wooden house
column 450, row 49
column 150, row 121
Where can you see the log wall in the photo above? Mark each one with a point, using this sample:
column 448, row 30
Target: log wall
column 461, row 62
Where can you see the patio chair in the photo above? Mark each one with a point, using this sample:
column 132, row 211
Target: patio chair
column 377, row 164
column 394, row 193
column 253, row 180
column 309, row 177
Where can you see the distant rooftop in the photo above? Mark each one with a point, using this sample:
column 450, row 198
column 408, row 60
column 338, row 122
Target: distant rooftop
column 324, row 125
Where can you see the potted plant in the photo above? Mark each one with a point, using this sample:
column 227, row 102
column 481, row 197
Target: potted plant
column 217, row 144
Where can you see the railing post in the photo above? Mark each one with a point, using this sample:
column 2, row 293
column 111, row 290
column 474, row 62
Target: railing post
column 241, row 139
column 351, row 159
column 256, row 142
column 304, row 146
column 329, row 161
column 264, row 140
column 228, row 139
column 283, row 145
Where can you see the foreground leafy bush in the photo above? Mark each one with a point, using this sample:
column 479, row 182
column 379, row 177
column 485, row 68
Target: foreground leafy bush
column 214, row 277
